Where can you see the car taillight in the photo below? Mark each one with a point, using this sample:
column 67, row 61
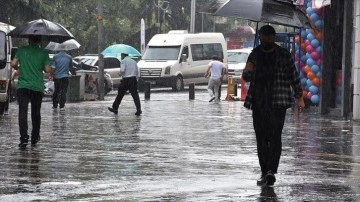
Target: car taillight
column 3, row 84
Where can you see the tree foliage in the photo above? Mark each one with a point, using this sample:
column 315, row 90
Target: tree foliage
column 121, row 18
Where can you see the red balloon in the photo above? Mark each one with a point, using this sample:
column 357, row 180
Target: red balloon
column 319, row 36
column 307, row 69
column 311, row 75
column 316, row 81
column 303, row 47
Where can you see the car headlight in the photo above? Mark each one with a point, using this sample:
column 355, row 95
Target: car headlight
column 167, row 70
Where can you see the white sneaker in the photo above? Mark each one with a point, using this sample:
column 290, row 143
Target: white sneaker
column 62, row 109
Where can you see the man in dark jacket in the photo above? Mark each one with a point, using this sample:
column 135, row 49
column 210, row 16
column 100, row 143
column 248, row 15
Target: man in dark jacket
column 273, row 77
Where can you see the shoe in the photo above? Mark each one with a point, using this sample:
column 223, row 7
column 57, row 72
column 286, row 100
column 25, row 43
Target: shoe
column 270, row 178
column 23, row 144
column 54, row 108
column 261, row 181
column 212, row 99
column 113, row 110
column 138, row 113
column 34, row 141
column 62, row 109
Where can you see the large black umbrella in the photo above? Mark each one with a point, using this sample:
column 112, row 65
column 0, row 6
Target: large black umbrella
column 51, row 31
column 282, row 12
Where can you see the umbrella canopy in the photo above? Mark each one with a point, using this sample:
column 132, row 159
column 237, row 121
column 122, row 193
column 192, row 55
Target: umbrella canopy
column 116, row 50
column 64, row 46
column 51, row 31
column 282, row 12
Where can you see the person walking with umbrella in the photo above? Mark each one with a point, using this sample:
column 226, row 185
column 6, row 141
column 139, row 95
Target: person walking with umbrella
column 273, row 77
column 62, row 64
column 30, row 61
column 130, row 75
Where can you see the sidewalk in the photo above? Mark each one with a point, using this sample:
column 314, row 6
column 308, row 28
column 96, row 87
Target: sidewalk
column 177, row 150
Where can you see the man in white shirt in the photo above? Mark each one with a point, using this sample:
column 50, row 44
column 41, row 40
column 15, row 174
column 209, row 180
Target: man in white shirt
column 130, row 75
column 215, row 70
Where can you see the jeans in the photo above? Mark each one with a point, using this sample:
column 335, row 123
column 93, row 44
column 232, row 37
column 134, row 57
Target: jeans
column 268, row 125
column 26, row 96
column 59, row 96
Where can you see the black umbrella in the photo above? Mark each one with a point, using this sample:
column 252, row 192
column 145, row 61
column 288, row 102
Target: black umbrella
column 282, row 12
column 51, row 31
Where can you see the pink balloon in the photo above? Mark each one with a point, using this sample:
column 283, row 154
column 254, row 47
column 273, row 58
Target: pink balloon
column 319, row 62
column 309, row 95
column 307, row 42
column 310, row 49
column 315, row 55
column 302, row 64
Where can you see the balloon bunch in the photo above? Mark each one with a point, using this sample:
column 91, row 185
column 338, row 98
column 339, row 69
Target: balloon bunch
column 308, row 55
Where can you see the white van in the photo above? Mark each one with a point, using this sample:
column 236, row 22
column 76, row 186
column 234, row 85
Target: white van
column 5, row 68
column 179, row 58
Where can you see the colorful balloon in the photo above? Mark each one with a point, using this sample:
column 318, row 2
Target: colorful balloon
column 311, row 75
column 315, row 99
column 314, row 89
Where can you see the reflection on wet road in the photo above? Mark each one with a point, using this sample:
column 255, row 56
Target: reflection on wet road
column 178, row 150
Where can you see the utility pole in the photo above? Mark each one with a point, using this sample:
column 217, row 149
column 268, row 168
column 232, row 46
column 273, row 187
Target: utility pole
column 192, row 20
column 100, row 85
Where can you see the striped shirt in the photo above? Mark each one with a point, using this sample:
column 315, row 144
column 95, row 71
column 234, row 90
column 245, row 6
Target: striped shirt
column 285, row 83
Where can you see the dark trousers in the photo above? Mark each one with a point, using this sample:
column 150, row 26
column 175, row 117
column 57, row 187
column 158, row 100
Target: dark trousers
column 268, row 128
column 59, row 96
column 130, row 84
column 26, row 96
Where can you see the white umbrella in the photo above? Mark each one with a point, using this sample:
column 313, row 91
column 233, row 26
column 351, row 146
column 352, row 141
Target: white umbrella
column 65, row 46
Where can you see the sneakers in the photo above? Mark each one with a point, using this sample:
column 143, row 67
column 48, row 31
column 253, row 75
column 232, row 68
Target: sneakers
column 23, row 143
column 62, row 109
column 212, row 99
column 138, row 113
column 270, row 178
column 34, row 140
column 113, row 110
column 261, row 181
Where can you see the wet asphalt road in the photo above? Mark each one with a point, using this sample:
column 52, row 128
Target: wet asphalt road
column 177, row 150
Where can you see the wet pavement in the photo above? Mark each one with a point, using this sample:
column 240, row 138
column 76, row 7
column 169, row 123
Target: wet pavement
column 177, row 150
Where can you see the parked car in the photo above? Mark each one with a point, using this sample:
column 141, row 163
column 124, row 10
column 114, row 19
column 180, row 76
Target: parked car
column 236, row 62
column 111, row 66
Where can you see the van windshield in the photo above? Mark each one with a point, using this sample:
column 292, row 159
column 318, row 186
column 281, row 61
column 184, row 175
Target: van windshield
column 161, row 53
column 2, row 46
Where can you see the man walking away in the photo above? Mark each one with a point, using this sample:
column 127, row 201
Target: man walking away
column 215, row 70
column 272, row 74
column 130, row 75
column 62, row 64
column 30, row 61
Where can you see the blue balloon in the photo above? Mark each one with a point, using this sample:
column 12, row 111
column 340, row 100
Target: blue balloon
column 315, row 68
column 309, row 11
column 303, row 34
column 308, row 83
column 304, row 58
column 315, row 99
column 314, row 90
column 319, row 24
column 308, row 31
column 314, row 17
column 310, row 37
column 318, row 74
column 315, row 43
column 319, row 49
column 303, row 81
column 310, row 62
